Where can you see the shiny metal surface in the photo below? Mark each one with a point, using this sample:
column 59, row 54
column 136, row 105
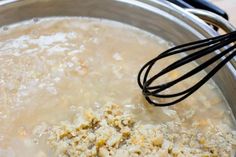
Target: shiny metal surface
column 156, row 16
column 215, row 20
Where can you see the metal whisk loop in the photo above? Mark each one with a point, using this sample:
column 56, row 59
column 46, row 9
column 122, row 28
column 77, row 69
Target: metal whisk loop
column 200, row 49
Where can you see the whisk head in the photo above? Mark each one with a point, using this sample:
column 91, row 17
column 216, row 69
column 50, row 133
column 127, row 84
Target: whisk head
column 222, row 49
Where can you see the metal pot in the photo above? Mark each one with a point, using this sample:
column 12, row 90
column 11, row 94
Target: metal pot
column 158, row 17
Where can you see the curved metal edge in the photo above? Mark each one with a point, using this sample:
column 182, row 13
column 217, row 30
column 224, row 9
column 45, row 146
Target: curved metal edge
column 165, row 11
column 213, row 19
column 191, row 19
column 217, row 21
column 184, row 17
column 173, row 11
column 201, row 18
column 4, row 2
column 207, row 31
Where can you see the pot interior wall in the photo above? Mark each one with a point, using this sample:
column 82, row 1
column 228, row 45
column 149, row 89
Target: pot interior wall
column 153, row 19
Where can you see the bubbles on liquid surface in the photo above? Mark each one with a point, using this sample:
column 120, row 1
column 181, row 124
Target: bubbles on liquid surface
column 5, row 28
column 35, row 20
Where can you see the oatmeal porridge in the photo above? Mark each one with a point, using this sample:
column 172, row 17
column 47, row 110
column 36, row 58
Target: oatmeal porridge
column 68, row 85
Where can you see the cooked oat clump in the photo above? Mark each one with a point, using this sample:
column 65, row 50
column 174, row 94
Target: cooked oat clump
column 112, row 132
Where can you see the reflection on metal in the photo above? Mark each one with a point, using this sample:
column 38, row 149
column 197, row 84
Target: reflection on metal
column 217, row 21
column 176, row 25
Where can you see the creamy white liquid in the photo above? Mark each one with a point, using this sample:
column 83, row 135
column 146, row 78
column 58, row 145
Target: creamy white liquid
column 51, row 68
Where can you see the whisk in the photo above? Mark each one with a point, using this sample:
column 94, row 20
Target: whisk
column 199, row 49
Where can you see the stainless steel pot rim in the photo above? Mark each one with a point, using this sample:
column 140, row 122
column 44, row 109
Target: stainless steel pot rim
column 195, row 20
column 13, row 11
column 188, row 17
column 180, row 13
column 169, row 10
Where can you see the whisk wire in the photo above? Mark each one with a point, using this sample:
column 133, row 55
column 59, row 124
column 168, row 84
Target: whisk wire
column 187, row 75
column 196, row 44
column 177, row 49
column 190, row 58
column 201, row 48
